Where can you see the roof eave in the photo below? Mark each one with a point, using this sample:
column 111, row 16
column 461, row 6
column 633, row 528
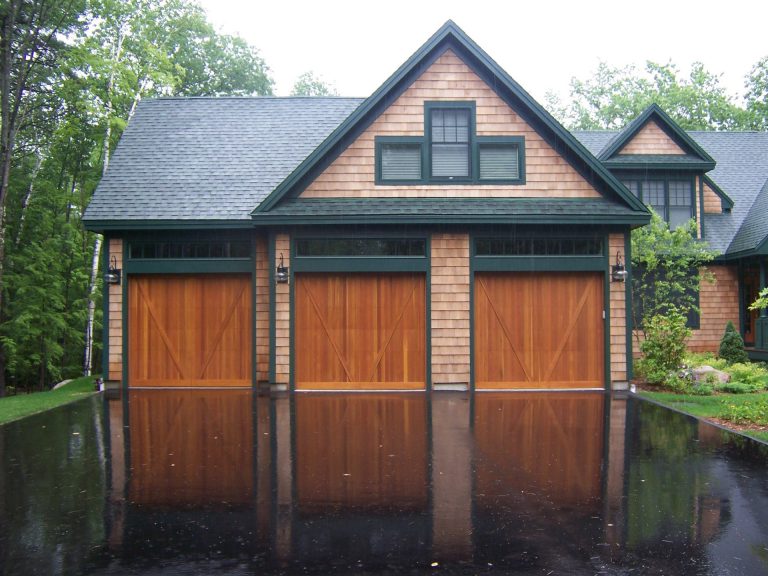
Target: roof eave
column 114, row 225
column 447, row 33
column 632, row 220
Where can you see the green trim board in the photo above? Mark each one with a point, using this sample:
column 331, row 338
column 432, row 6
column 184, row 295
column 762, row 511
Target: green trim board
column 539, row 263
column 606, row 317
column 191, row 225
column 669, row 126
column 628, row 304
column 126, row 329
column 203, row 266
column 105, row 312
column 450, row 36
column 272, row 308
column 362, row 264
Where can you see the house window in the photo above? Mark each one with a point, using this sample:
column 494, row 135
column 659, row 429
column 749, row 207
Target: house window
column 450, row 151
column 499, row 159
column 538, row 246
column 352, row 247
column 400, row 161
column 672, row 199
column 449, row 142
column 189, row 249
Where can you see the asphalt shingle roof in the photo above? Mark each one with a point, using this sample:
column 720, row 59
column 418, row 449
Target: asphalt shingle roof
column 741, row 172
column 210, row 158
column 216, row 159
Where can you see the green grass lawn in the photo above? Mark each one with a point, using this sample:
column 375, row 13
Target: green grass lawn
column 710, row 406
column 15, row 407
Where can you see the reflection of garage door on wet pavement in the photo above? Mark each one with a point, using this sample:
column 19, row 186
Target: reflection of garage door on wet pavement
column 539, row 330
column 187, row 330
column 360, row 331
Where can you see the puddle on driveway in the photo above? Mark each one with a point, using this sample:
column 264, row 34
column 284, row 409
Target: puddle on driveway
column 199, row 482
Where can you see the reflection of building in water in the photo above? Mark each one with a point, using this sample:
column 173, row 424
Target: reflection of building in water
column 521, row 480
column 538, row 469
column 191, row 449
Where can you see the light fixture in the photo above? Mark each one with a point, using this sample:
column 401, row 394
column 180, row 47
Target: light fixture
column 618, row 271
column 113, row 274
column 282, row 272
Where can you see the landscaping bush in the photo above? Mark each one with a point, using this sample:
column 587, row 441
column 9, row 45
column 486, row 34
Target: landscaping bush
column 755, row 412
column 735, row 388
column 703, row 390
column 664, row 345
column 753, row 375
column 694, row 359
column 732, row 346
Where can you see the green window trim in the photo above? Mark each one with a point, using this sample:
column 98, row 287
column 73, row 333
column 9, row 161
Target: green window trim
column 488, row 158
column 664, row 195
column 383, row 143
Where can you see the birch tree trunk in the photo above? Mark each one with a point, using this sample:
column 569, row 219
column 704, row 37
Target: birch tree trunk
column 88, row 356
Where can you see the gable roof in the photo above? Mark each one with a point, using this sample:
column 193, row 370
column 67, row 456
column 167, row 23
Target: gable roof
column 208, row 161
column 450, row 36
column 741, row 173
column 695, row 156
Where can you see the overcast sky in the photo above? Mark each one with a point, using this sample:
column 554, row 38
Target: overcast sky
column 356, row 45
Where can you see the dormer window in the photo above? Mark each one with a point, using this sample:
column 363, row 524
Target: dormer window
column 670, row 198
column 450, row 152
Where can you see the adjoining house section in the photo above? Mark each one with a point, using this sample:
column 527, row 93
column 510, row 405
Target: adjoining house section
column 445, row 232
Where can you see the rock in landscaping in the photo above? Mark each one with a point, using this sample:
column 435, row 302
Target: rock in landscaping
column 709, row 375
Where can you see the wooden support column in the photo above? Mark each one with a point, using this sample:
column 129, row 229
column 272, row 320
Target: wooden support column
column 613, row 516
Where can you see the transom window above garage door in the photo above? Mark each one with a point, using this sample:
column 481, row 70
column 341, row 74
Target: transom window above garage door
column 351, row 247
column 186, row 249
column 532, row 246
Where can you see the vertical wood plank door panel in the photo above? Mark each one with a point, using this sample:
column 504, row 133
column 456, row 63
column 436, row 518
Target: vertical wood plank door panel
column 189, row 330
column 539, row 330
column 360, row 331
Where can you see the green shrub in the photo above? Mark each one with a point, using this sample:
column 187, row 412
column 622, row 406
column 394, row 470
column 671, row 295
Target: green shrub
column 703, row 390
column 664, row 345
column 694, row 359
column 754, row 412
column 753, row 375
column 732, row 346
column 735, row 388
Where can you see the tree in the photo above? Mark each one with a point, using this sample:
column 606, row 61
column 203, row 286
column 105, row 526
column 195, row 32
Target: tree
column 666, row 274
column 32, row 38
column 613, row 97
column 308, row 84
column 732, row 345
column 762, row 301
column 756, row 97
column 666, row 269
column 73, row 73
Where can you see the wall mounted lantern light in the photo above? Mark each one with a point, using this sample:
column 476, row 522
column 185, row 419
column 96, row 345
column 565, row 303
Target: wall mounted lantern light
column 282, row 272
column 113, row 274
column 618, row 271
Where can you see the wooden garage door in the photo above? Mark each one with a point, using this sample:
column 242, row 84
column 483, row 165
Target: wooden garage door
column 189, row 330
column 539, row 330
column 360, row 331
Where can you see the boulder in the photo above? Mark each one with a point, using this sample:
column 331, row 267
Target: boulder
column 707, row 374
